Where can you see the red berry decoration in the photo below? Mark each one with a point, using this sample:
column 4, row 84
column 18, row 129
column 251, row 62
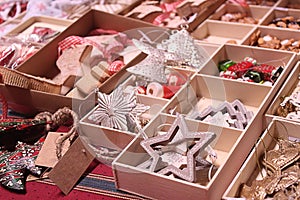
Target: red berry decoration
column 115, row 67
column 240, row 68
column 266, row 70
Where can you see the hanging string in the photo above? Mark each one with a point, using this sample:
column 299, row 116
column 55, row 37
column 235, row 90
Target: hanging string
column 59, row 118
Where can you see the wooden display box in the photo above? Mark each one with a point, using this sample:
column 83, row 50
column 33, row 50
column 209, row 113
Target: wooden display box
column 26, row 27
column 256, row 12
column 204, row 91
column 200, row 8
column 280, row 13
column 13, row 22
column 261, row 55
column 288, row 3
column 232, row 147
column 218, row 32
column 98, row 135
column 280, row 34
column 43, row 63
column 250, row 171
column 210, row 88
column 287, row 88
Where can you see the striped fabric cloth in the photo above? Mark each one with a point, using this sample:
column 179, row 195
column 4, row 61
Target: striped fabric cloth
column 98, row 183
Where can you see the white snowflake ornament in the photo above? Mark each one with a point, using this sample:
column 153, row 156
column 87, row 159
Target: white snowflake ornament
column 112, row 109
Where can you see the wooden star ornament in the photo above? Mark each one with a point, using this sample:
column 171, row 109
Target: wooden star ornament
column 180, row 141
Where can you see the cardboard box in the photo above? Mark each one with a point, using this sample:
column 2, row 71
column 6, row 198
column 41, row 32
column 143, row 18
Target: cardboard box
column 43, row 63
column 250, row 170
column 217, row 32
column 287, row 88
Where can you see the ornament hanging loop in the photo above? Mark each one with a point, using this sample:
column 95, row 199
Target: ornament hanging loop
column 184, row 26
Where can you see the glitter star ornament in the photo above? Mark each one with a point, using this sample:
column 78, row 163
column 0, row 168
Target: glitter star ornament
column 179, row 48
column 152, row 68
column 183, row 46
column 178, row 140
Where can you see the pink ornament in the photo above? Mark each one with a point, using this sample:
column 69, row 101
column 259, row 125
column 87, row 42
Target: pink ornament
column 115, row 67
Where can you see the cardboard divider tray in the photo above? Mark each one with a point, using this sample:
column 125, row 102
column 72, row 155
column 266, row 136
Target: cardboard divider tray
column 294, row 4
column 257, row 98
column 98, row 135
column 263, row 56
column 204, row 91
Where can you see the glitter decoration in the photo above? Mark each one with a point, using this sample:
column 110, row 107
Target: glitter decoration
column 178, row 143
column 113, row 110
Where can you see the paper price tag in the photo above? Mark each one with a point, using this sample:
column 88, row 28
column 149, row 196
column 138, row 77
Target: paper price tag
column 47, row 155
column 71, row 166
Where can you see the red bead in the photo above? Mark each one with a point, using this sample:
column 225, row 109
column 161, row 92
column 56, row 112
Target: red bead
column 169, row 91
column 141, row 90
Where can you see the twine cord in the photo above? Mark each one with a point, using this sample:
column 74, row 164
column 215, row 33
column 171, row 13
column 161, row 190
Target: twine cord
column 59, row 118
